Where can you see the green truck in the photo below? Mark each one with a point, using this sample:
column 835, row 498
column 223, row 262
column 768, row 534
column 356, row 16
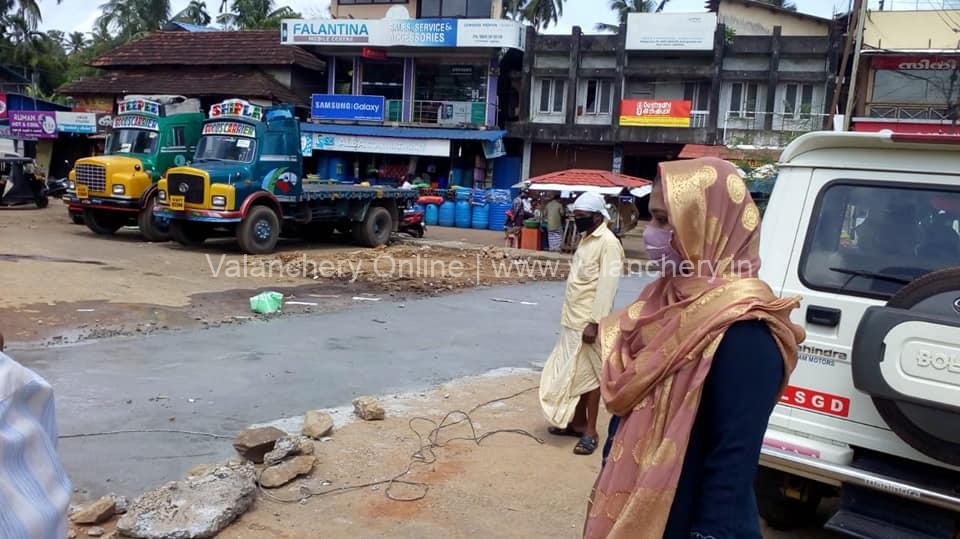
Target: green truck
column 247, row 180
column 150, row 135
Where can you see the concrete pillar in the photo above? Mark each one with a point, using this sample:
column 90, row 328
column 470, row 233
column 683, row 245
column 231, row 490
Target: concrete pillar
column 331, row 75
column 773, row 79
column 356, row 77
column 525, row 164
column 572, row 76
column 714, row 121
column 408, row 89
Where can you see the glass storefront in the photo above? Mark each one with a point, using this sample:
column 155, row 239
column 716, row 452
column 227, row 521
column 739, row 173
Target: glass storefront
column 343, row 79
column 382, row 77
column 450, row 93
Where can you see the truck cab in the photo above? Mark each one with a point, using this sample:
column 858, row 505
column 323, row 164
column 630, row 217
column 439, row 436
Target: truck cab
column 865, row 227
column 247, row 180
column 150, row 134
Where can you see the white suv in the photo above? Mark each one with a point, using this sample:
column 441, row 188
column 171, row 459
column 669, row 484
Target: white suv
column 865, row 227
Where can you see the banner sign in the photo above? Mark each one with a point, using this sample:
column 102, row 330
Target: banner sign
column 3, row 106
column 32, row 124
column 230, row 128
column 381, row 145
column 495, row 33
column 347, row 107
column 655, row 113
column 77, row 122
column 237, row 108
column 934, row 63
column 135, row 121
column 495, row 149
column 671, row 31
column 139, row 106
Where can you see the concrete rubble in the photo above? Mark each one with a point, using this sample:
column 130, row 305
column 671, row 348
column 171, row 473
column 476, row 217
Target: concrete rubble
column 95, row 532
column 192, row 508
column 317, row 424
column 99, row 511
column 283, row 473
column 287, row 447
column 369, row 408
column 254, row 444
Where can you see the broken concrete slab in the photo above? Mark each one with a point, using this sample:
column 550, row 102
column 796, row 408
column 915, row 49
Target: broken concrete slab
column 192, row 508
column 287, row 447
column 121, row 503
column 369, row 408
column 95, row 531
column 253, row 444
column 317, row 424
column 99, row 511
column 283, row 473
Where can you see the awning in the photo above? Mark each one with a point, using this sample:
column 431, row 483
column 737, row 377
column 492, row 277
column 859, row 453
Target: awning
column 485, row 135
column 573, row 188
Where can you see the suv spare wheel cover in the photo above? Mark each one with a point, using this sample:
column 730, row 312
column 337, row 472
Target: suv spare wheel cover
column 906, row 356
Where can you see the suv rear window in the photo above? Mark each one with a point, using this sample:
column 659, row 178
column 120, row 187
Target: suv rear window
column 870, row 239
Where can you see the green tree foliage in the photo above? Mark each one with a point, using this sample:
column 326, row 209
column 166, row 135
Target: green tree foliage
column 194, row 13
column 624, row 7
column 254, row 14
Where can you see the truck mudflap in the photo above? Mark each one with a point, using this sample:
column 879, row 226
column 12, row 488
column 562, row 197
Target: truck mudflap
column 837, row 474
column 102, row 203
column 200, row 216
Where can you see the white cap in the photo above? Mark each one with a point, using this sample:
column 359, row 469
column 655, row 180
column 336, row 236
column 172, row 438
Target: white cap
column 591, row 202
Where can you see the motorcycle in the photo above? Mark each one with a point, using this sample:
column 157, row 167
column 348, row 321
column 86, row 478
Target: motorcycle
column 412, row 223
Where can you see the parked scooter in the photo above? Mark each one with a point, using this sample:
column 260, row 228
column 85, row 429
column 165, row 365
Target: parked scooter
column 412, row 223
column 19, row 182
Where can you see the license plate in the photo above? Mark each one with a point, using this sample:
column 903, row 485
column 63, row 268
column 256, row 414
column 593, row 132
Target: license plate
column 176, row 203
column 83, row 191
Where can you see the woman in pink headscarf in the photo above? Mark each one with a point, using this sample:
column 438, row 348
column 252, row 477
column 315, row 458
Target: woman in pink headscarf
column 693, row 368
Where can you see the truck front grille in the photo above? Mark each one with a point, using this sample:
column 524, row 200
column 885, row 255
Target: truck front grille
column 190, row 186
column 93, row 176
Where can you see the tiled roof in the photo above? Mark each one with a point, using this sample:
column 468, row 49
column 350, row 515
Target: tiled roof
column 252, row 47
column 595, row 178
column 250, row 83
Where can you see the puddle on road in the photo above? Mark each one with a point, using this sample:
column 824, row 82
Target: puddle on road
column 42, row 258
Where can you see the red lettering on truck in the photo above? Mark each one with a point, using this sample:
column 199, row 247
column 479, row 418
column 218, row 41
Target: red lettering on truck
column 817, row 401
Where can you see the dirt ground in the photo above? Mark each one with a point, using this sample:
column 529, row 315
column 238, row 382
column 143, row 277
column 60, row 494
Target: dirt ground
column 510, row 485
column 61, row 283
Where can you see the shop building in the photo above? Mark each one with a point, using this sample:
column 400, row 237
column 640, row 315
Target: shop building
column 908, row 76
column 404, row 95
column 674, row 85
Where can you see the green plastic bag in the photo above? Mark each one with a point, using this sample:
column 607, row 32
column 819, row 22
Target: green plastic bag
column 266, row 303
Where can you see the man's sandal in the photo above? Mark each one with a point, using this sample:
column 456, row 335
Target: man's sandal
column 586, row 446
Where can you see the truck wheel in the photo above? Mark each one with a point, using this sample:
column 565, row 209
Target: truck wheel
column 103, row 223
column 375, row 229
column 259, row 231
column 785, row 501
column 76, row 217
column 188, row 234
column 152, row 228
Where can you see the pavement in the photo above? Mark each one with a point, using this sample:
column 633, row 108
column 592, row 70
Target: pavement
column 221, row 380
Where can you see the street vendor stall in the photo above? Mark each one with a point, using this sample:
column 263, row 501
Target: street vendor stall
column 620, row 191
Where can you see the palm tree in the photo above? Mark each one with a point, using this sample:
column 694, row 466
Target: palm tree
column 541, row 13
column 29, row 9
column 624, row 7
column 194, row 13
column 76, row 42
column 131, row 18
column 254, row 14
column 782, row 4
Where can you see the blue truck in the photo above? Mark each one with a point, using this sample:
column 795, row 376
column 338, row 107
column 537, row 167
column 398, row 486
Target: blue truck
column 247, row 179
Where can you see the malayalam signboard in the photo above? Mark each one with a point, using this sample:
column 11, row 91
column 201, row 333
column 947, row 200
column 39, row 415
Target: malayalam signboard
column 3, row 106
column 671, row 31
column 655, row 112
column 380, row 145
column 450, row 33
column 907, row 63
column 77, row 122
column 33, row 124
column 368, row 108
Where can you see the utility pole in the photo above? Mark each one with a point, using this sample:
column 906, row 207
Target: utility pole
column 855, row 69
column 847, row 45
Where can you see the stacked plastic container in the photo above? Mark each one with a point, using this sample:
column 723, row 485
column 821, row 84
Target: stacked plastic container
column 463, row 210
column 499, row 203
column 481, row 209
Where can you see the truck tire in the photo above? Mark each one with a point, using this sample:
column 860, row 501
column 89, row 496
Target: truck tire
column 783, row 512
column 257, row 234
column 375, row 229
column 913, row 297
column 103, row 223
column 76, row 217
column 188, row 234
column 151, row 228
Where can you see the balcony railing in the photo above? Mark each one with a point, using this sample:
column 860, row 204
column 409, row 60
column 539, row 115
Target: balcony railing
column 699, row 118
column 768, row 129
column 443, row 113
column 909, row 112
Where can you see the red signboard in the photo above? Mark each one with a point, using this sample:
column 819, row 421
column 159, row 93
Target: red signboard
column 655, row 112
column 871, row 126
column 373, row 54
column 3, row 106
column 937, row 63
column 815, row 400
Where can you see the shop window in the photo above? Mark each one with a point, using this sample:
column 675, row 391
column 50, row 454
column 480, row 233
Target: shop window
column 383, row 78
column 598, row 97
column 743, row 99
column 697, row 94
column 916, row 86
column 451, row 82
column 343, row 76
column 798, row 100
column 552, row 96
column 455, row 8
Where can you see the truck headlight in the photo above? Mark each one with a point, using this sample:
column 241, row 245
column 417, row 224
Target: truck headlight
column 162, row 196
column 72, row 186
column 219, row 201
column 119, row 189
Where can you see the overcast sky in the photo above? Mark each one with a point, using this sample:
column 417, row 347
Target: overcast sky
column 78, row 15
